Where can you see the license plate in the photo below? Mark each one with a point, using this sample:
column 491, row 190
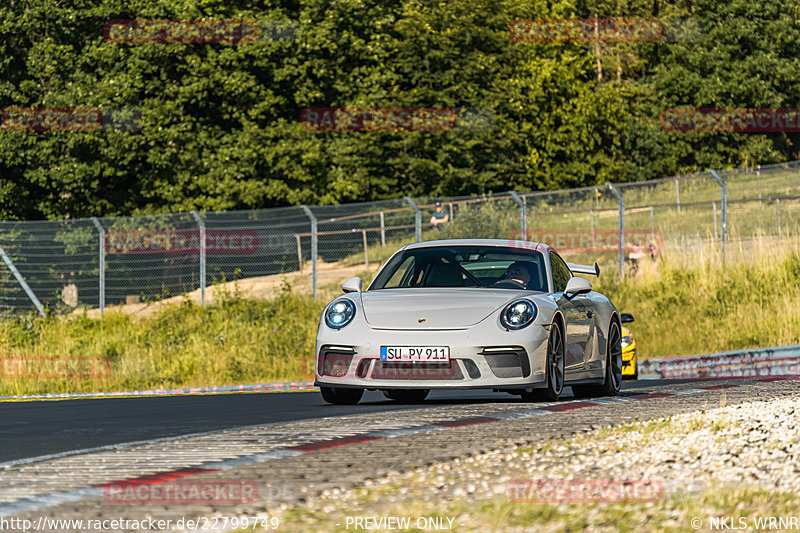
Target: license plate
column 415, row 353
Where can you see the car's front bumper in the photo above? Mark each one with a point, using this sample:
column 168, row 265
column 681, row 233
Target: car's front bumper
column 497, row 360
column 629, row 360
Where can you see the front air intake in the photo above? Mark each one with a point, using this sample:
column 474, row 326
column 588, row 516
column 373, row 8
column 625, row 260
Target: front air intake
column 334, row 361
column 508, row 361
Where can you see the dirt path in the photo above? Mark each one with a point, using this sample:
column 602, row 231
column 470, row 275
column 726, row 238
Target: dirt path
column 329, row 275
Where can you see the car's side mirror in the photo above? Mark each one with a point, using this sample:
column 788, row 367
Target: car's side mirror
column 352, row 285
column 626, row 318
column 576, row 286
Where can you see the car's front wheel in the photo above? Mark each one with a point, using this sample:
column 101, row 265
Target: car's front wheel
column 554, row 369
column 407, row 395
column 341, row 396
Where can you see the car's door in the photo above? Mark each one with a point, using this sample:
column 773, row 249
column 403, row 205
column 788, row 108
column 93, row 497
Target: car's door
column 585, row 319
column 575, row 311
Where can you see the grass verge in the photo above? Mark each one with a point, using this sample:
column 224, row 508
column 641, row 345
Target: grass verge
column 234, row 340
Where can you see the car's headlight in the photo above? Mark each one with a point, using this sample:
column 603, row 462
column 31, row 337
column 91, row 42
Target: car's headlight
column 627, row 340
column 518, row 314
column 340, row 313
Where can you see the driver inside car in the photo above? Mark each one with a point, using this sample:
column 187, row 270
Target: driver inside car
column 517, row 271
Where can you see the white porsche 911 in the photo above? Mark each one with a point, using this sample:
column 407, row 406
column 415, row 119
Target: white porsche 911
column 470, row 313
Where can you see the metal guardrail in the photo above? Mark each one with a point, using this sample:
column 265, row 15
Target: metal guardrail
column 755, row 362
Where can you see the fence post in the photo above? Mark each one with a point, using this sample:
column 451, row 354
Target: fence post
column 714, row 207
column 652, row 225
column 417, row 218
column 202, row 227
column 383, row 231
column 678, row 194
column 523, row 215
column 366, row 254
column 525, row 210
column 299, row 253
column 724, row 208
column 758, row 175
column 778, row 207
column 314, row 243
column 102, row 265
column 621, row 203
column 7, row 260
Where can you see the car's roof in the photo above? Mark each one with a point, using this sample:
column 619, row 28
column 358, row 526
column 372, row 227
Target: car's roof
column 510, row 243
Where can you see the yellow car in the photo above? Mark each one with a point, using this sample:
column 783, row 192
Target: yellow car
column 630, row 370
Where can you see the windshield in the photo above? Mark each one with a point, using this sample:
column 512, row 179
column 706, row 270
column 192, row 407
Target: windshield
column 496, row 267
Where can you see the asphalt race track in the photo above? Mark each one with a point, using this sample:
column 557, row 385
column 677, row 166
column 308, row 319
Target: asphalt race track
column 36, row 428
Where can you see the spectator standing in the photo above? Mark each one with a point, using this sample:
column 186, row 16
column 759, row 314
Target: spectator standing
column 439, row 216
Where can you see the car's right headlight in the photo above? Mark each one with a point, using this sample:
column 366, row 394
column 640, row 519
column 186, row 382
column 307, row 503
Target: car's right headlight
column 627, row 340
column 340, row 313
column 518, row 314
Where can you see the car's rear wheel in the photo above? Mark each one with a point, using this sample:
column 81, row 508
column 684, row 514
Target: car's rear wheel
column 554, row 369
column 613, row 372
column 341, row 396
column 407, row 395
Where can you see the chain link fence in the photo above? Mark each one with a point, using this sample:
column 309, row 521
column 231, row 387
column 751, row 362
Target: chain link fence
column 58, row 266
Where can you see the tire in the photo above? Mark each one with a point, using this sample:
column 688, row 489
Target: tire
column 407, row 395
column 341, row 396
column 612, row 380
column 554, row 370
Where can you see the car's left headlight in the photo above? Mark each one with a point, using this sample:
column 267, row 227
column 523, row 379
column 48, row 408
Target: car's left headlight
column 340, row 313
column 627, row 340
column 518, row 314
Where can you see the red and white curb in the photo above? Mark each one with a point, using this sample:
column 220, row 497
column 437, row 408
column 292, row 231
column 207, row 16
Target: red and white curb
column 224, row 389
column 57, row 498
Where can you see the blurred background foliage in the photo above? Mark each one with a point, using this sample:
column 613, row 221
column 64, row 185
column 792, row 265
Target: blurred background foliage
column 220, row 123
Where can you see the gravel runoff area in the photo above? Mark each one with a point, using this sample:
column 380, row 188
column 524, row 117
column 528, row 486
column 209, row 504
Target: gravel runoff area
column 732, row 467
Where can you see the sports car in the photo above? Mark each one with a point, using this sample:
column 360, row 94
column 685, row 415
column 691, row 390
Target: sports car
column 630, row 366
column 504, row 315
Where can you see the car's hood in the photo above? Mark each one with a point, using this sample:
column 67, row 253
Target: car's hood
column 433, row 308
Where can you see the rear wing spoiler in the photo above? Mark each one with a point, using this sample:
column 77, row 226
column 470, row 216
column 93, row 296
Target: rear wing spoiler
column 584, row 269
